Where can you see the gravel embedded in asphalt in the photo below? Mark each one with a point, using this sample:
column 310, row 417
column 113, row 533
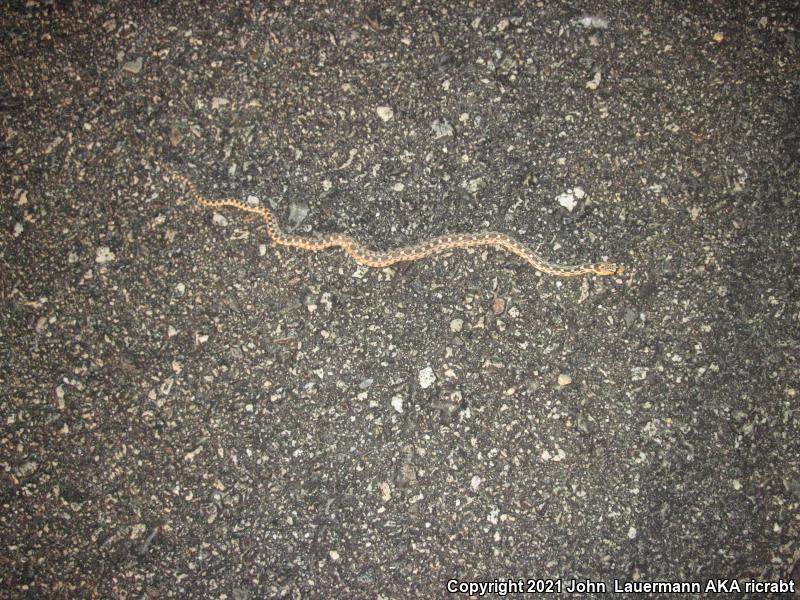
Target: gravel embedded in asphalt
column 192, row 412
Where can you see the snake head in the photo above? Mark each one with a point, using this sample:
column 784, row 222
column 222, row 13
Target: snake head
column 608, row 268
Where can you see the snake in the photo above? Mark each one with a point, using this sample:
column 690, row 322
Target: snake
column 371, row 258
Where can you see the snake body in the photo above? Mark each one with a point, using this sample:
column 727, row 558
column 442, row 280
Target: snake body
column 371, row 258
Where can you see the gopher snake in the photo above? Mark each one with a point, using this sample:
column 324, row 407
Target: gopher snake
column 370, row 258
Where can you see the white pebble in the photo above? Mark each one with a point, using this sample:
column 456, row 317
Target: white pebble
column 397, row 403
column 385, row 113
column 426, row 378
column 441, row 128
column 595, row 81
column 386, row 491
column 593, row 22
column 567, row 201
column 104, row 255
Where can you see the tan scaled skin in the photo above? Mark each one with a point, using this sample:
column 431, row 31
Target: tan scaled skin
column 370, row 258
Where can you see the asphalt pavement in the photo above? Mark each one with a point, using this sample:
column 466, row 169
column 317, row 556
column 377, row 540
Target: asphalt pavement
column 190, row 411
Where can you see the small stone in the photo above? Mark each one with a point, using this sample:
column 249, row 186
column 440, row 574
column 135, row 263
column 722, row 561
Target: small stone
column 366, row 383
column 298, row 211
column 498, row 306
column 166, row 387
column 334, row 555
column 408, row 474
column 385, row 113
column 567, row 201
column 397, row 403
column 175, row 135
column 564, row 379
column 137, row 530
column 593, row 22
column 219, row 102
column 386, row 491
column 104, row 255
column 456, row 325
column 632, row 533
column 475, row 483
column 579, row 193
column 474, row 185
column 27, row 468
column 594, row 83
column 53, row 145
column 219, row 219
column 441, row 128
column 426, row 378
column 133, row 66
column 398, row 187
